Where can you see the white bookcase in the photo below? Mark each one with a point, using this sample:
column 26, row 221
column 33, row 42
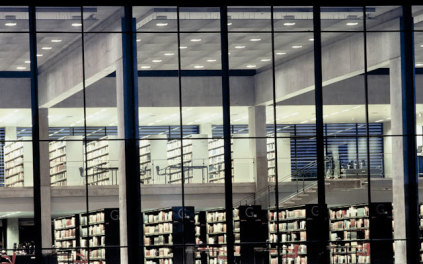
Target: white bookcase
column 195, row 159
column 66, row 159
column 18, row 163
column 242, row 160
column 103, row 161
column 152, row 155
column 217, row 161
column 284, row 157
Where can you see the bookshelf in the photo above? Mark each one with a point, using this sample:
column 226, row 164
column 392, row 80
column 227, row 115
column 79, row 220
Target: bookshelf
column 195, row 159
column 164, row 231
column 217, row 161
column 152, row 154
column 99, row 231
column 102, row 161
column 250, row 225
column 200, row 237
column 66, row 158
column 351, row 228
column 284, row 156
column 18, row 163
column 297, row 225
column 66, row 238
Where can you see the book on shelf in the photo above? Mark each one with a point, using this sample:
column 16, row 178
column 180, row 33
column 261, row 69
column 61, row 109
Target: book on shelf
column 166, row 228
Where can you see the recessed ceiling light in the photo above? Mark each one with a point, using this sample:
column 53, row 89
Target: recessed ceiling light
column 251, row 66
column 183, row 47
column 196, row 40
column 138, row 40
column 255, row 39
column 265, row 59
column 161, row 24
column 76, row 24
column 46, row 48
column 145, row 67
column 239, row 47
column 280, row 53
column 39, row 55
column 311, row 39
column 211, row 60
column 229, row 23
column 352, row 24
column 10, row 24
column 156, row 61
column 198, row 66
column 20, row 68
column 27, row 62
column 56, row 40
column 169, row 54
column 297, row 47
column 288, row 24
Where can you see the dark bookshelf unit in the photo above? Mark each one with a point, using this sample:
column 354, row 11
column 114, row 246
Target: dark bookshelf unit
column 169, row 235
column 200, row 237
column 352, row 227
column 99, row 232
column 66, row 238
column 297, row 227
column 250, row 234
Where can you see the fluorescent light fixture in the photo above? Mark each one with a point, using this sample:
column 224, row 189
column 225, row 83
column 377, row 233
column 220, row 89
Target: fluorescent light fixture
column 378, row 121
column 421, row 46
column 169, row 54
column 27, row 62
column 211, row 60
column 280, row 53
column 264, row 60
column 239, row 47
column 303, row 122
column 198, row 66
column 46, row 48
column 311, row 39
column 352, row 24
column 251, row 66
column 10, row 24
column 419, row 64
column 138, row 40
column 183, row 47
column 56, row 40
column 255, row 39
column 20, row 68
column 145, row 67
column 161, row 24
column 39, row 55
column 289, row 24
column 156, row 61
column 297, row 46
column 76, row 24
column 196, row 40
column 229, row 23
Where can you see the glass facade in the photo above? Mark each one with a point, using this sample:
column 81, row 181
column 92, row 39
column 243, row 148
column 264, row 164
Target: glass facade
column 233, row 134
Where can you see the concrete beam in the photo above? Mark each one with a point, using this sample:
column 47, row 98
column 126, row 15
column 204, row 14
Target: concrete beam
column 341, row 60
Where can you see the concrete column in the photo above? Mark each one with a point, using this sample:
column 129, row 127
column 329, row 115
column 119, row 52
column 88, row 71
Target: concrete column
column 121, row 171
column 258, row 149
column 12, row 233
column 45, row 181
column 387, row 149
column 206, row 129
column 10, row 133
column 397, row 155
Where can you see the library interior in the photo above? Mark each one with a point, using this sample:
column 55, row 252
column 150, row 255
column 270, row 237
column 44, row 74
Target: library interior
column 211, row 135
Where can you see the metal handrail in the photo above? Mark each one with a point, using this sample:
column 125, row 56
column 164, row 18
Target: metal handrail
column 271, row 186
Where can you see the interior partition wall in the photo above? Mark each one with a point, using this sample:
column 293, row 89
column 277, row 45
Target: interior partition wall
column 128, row 38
